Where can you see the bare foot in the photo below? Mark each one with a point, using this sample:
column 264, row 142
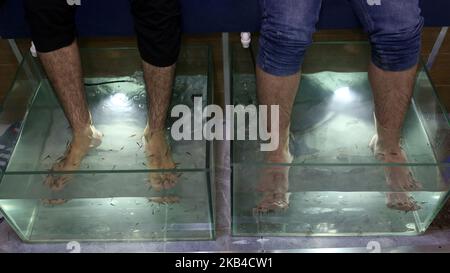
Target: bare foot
column 274, row 184
column 81, row 143
column 52, row 202
column 165, row 200
column 159, row 157
column 401, row 201
column 399, row 179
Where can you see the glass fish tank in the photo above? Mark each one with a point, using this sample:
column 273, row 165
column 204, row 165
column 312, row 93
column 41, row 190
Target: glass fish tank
column 109, row 197
column 335, row 186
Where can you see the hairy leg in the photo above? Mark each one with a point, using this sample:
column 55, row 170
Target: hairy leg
column 392, row 93
column 274, row 183
column 64, row 71
column 159, row 82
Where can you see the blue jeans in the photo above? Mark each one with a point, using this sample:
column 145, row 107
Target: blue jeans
column 394, row 27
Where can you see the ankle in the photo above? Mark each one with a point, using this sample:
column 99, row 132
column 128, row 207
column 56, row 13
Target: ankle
column 280, row 155
column 388, row 145
column 154, row 136
column 83, row 131
column 151, row 131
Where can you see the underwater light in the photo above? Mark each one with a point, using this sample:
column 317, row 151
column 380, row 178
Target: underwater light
column 7, row 207
column 118, row 103
column 119, row 100
column 343, row 94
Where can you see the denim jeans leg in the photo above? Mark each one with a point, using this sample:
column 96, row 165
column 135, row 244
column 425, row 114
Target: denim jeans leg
column 395, row 29
column 286, row 33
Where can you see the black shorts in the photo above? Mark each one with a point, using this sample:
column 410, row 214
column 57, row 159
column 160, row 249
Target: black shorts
column 157, row 24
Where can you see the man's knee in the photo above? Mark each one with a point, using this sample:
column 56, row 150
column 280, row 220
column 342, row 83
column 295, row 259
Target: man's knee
column 51, row 22
column 286, row 33
column 158, row 28
column 397, row 49
column 282, row 50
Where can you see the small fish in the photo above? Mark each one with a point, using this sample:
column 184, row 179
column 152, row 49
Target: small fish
column 139, row 144
column 188, row 153
column 123, row 147
column 143, row 163
column 133, row 135
column 47, row 157
column 114, row 167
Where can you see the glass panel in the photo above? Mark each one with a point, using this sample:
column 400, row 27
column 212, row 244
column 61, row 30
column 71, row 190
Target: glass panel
column 335, row 186
column 109, row 197
column 21, row 94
